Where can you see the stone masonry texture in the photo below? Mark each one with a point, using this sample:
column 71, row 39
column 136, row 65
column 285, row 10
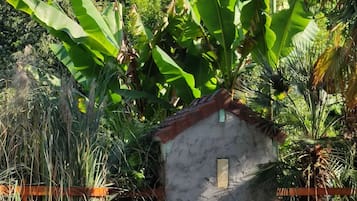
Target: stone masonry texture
column 190, row 161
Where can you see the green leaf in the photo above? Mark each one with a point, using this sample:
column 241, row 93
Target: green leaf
column 286, row 24
column 62, row 55
column 203, row 72
column 134, row 95
column 250, row 14
column 81, row 105
column 183, row 82
column 139, row 175
column 142, row 36
column 65, row 29
column 78, row 62
column 115, row 98
column 186, row 32
column 196, row 17
column 20, row 5
column 307, row 36
column 259, row 38
column 113, row 16
column 48, row 16
column 218, row 17
column 101, row 37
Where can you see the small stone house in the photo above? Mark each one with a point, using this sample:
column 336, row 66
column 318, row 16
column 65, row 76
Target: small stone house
column 212, row 149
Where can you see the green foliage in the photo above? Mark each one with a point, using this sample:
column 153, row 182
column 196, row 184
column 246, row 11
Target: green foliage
column 95, row 26
column 10, row 23
column 91, row 47
column 28, row 33
column 286, row 24
column 152, row 11
column 311, row 106
column 336, row 66
column 46, row 139
column 175, row 75
column 315, row 150
column 207, row 50
column 82, row 67
column 113, row 17
column 94, row 41
column 218, row 18
column 134, row 68
column 259, row 38
column 45, row 14
column 141, row 36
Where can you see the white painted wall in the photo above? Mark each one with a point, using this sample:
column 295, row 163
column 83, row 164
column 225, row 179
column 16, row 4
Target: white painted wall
column 190, row 161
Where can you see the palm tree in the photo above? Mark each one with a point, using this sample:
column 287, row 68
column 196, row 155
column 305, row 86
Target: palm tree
column 336, row 68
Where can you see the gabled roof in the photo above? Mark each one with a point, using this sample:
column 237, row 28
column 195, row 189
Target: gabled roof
column 207, row 105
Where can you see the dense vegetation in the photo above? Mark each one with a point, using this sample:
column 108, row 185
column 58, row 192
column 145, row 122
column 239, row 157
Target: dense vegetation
column 80, row 100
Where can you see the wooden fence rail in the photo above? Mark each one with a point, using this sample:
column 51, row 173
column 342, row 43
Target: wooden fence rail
column 38, row 191
column 27, row 191
column 315, row 191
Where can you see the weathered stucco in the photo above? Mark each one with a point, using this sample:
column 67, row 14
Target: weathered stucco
column 191, row 161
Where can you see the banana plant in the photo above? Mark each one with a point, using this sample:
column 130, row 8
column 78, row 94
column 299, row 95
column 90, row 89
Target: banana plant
column 225, row 33
column 88, row 42
column 93, row 44
column 199, row 48
column 158, row 73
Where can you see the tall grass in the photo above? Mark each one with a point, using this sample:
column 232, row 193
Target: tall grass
column 51, row 134
column 43, row 138
column 33, row 137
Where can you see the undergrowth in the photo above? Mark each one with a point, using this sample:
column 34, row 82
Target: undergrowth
column 52, row 134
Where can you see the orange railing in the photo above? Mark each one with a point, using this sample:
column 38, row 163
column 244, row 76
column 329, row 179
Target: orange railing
column 26, row 191
column 315, row 191
column 38, row 191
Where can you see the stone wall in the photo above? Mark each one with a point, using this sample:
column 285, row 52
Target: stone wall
column 191, row 161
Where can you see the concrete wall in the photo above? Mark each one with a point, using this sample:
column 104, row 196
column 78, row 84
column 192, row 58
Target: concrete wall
column 191, row 161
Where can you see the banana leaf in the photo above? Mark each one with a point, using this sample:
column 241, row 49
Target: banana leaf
column 48, row 16
column 113, row 16
column 286, row 24
column 95, row 26
column 218, row 17
column 78, row 62
column 66, row 29
column 183, row 82
column 259, row 38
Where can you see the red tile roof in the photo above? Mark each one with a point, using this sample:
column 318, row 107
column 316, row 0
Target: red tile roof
column 205, row 106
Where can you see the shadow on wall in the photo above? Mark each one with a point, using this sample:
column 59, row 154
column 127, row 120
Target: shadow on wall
column 246, row 181
column 248, row 191
column 191, row 162
column 259, row 187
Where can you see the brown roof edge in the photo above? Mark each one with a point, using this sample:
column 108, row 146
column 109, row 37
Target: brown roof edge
column 204, row 107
